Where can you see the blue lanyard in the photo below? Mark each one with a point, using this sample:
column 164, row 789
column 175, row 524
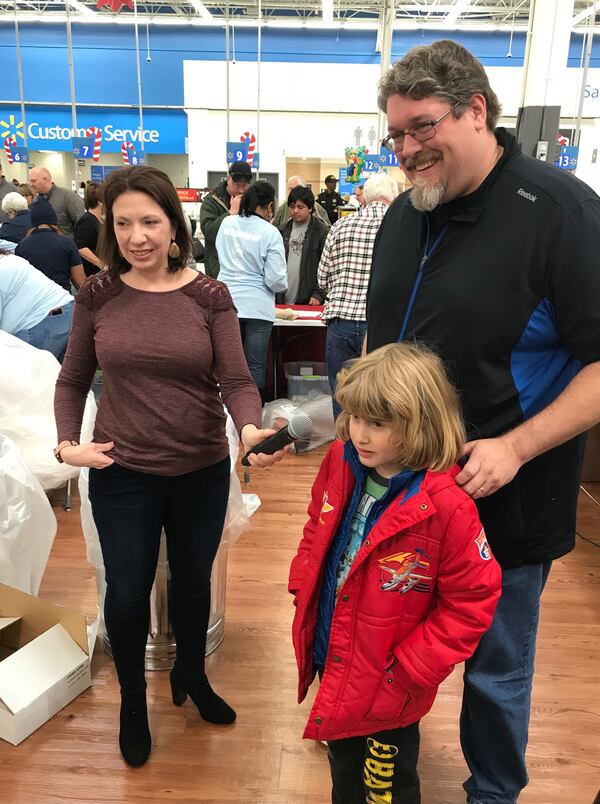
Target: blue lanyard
column 426, row 255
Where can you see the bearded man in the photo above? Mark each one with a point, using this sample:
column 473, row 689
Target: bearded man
column 491, row 260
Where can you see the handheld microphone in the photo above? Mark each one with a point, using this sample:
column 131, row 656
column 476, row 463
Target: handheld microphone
column 300, row 426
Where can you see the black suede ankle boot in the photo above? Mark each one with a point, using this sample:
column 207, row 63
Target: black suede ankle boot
column 135, row 740
column 212, row 708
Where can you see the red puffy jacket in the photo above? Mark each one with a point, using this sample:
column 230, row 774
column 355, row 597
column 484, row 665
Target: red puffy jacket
column 421, row 592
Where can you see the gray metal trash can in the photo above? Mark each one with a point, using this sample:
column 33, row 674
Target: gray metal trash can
column 160, row 647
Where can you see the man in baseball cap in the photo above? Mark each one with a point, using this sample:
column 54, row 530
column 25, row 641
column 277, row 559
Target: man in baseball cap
column 330, row 199
column 240, row 173
column 223, row 201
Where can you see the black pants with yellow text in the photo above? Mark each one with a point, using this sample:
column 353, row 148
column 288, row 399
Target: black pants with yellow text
column 380, row 768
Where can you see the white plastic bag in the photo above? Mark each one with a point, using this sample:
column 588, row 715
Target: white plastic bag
column 27, row 522
column 240, row 507
column 278, row 413
column 316, row 405
column 27, row 408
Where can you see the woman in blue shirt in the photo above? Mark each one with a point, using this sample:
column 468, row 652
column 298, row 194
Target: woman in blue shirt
column 33, row 307
column 253, row 267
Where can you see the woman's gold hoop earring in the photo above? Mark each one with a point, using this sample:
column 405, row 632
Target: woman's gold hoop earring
column 174, row 250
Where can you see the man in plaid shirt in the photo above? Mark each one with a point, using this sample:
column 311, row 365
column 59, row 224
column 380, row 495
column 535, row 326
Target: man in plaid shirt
column 344, row 275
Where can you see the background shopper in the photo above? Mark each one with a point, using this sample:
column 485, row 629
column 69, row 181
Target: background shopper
column 49, row 250
column 330, row 199
column 19, row 219
column 87, row 228
column 66, row 203
column 303, row 238
column 217, row 206
column 253, row 267
column 282, row 215
column 344, row 272
column 33, row 307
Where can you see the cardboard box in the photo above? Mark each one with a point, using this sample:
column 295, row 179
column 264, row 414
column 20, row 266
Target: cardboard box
column 44, row 661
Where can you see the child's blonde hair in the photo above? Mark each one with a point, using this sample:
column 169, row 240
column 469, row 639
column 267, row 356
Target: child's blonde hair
column 405, row 386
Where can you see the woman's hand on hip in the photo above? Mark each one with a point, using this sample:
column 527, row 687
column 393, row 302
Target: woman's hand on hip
column 90, row 454
column 251, row 436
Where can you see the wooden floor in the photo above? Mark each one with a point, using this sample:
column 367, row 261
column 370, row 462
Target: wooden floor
column 262, row 757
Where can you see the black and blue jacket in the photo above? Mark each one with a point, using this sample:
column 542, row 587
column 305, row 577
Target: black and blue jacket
column 406, row 481
column 505, row 285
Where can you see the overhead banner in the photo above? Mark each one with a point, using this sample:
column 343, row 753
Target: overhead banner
column 52, row 130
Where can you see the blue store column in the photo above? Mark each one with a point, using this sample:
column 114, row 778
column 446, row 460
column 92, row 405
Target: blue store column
column 545, row 64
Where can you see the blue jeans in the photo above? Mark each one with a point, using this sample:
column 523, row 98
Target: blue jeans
column 344, row 342
column 497, row 693
column 52, row 333
column 256, row 334
column 130, row 509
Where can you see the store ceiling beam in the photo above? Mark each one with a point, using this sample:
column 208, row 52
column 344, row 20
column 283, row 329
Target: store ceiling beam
column 434, row 14
column 587, row 12
column 82, row 8
column 201, row 9
column 457, row 10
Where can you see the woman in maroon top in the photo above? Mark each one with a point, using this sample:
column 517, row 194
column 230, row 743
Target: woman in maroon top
column 168, row 342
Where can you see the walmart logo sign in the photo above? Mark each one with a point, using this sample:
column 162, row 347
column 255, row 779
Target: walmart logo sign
column 11, row 130
column 163, row 132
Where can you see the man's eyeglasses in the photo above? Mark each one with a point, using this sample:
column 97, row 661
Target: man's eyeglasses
column 421, row 132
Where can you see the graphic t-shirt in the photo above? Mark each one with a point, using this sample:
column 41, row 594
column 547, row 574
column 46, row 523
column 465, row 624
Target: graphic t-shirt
column 375, row 487
column 297, row 236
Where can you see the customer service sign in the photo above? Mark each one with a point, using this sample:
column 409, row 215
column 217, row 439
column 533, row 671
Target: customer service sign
column 52, row 129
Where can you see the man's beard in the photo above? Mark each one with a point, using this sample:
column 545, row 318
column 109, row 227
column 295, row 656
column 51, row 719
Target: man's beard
column 426, row 197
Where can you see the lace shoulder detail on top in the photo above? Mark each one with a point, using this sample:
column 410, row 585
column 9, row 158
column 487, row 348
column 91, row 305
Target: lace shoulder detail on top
column 97, row 290
column 209, row 293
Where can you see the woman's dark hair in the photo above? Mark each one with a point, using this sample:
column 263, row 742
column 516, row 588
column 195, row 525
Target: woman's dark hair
column 94, row 195
column 53, row 226
column 26, row 190
column 157, row 186
column 301, row 194
column 259, row 194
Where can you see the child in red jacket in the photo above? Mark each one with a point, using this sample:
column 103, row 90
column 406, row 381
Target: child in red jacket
column 394, row 581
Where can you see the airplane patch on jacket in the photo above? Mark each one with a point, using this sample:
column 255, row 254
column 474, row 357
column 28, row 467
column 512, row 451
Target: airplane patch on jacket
column 409, row 570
